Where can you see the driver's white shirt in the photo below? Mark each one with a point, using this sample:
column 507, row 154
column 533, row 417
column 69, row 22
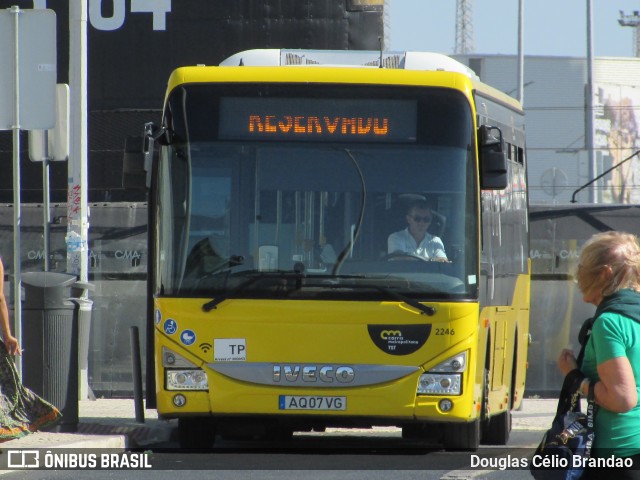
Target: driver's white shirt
column 403, row 241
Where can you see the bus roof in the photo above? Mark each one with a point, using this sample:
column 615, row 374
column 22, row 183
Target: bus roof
column 450, row 72
column 348, row 58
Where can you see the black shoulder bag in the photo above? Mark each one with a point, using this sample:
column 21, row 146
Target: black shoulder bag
column 572, row 431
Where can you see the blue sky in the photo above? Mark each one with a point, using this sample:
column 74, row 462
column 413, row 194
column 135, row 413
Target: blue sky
column 552, row 27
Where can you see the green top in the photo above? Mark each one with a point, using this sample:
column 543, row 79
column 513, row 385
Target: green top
column 616, row 333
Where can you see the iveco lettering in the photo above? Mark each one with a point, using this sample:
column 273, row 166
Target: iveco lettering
column 313, row 373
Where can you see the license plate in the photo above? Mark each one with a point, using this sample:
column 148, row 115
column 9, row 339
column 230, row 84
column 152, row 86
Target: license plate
column 312, row 402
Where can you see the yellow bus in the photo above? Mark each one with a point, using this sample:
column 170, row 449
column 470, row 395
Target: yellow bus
column 276, row 304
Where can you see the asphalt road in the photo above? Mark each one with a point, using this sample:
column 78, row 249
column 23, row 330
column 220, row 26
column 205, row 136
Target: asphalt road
column 333, row 455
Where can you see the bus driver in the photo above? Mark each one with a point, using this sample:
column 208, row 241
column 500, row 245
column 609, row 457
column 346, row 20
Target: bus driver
column 415, row 240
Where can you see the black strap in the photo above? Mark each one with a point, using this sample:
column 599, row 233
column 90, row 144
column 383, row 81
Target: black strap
column 591, row 412
column 583, row 338
column 591, row 394
column 568, row 400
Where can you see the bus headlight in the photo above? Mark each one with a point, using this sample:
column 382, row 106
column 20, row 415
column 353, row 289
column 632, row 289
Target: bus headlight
column 186, row 380
column 457, row 363
column 439, row 384
column 445, row 378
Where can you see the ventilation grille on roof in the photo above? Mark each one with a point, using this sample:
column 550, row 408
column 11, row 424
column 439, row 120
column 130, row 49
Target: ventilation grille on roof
column 295, row 59
column 391, row 61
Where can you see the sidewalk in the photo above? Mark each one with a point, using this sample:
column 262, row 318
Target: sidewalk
column 103, row 423
column 110, row 423
column 536, row 414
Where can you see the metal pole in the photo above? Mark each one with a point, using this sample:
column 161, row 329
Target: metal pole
column 77, row 209
column 45, row 200
column 17, row 299
column 589, row 120
column 521, row 51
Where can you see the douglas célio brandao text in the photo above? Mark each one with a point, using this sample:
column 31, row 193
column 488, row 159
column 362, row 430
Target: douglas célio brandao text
column 541, row 461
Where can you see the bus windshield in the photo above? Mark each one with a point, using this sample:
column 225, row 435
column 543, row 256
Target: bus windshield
column 312, row 220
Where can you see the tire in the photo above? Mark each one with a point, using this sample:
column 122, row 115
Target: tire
column 462, row 436
column 498, row 429
column 484, row 410
column 196, row 433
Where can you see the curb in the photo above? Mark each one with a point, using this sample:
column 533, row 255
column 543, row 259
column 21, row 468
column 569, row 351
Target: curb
column 108, row 424
column 98, row 435
column 136, row 435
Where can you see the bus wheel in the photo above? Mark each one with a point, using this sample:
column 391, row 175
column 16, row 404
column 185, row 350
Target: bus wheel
column 462, row 436
column 484, row 410
column 498, row 429
column 196, row 433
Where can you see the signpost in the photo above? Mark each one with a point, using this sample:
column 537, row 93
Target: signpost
column 51, row 145
column 27, row 101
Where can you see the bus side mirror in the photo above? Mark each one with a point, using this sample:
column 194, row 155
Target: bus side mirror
column 493, row 161
column 138, row 155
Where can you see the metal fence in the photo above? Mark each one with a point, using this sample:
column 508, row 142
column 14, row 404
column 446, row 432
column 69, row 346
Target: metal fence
column 557, row 310
column 118, row 269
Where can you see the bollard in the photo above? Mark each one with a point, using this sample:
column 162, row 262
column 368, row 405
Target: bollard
column 137, row 374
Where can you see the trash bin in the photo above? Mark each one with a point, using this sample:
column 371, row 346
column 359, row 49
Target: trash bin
column 50, row 342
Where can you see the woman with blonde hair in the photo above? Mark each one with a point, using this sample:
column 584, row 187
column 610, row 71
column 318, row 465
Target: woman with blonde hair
column 608, row 276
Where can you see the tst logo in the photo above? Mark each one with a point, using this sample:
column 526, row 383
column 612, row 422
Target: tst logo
column 385, row 334
column 118, row 8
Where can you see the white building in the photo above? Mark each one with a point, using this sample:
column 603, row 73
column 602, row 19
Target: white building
column 555, row 105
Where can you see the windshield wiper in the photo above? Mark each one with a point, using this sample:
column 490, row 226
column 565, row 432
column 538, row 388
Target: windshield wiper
column 424, row 309
column 297, row 274
column 213, row 304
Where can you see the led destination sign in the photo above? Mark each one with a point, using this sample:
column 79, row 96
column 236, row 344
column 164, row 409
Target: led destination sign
column 311, row 119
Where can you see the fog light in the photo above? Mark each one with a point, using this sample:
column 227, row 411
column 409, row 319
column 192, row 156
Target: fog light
column 445, row 405
column 179, row 400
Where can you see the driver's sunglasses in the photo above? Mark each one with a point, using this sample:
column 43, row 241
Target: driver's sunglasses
column 418, row 218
